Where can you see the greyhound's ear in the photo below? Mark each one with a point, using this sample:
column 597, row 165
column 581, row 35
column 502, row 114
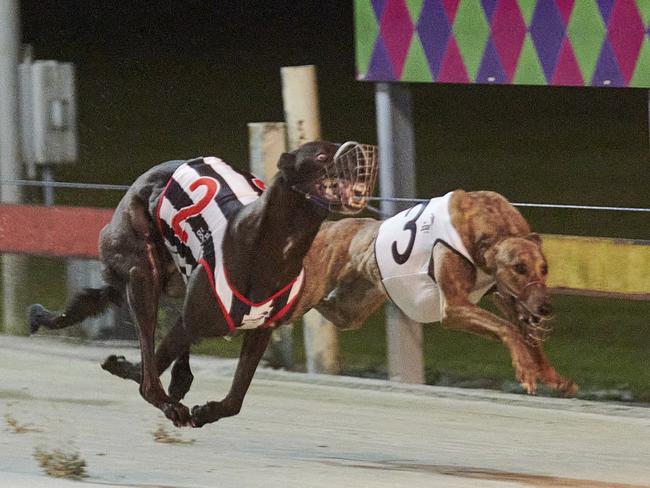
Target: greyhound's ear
column 287, row 162
column 484, row 243
column 534, row 237
column 489, row 258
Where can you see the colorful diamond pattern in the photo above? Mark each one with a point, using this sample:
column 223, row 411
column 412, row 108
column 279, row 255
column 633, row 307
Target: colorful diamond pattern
column 540, row 42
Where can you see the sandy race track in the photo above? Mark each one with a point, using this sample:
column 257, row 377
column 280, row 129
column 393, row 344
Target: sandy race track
column 297, row 430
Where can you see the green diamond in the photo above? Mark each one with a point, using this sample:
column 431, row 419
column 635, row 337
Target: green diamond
column 641, row 76
column 527, row 8
column 471, row 30
column 416, row 66
column 415, row 7
column 365, row 30
column 529, row 69
column 586, row 32
column 644, row 10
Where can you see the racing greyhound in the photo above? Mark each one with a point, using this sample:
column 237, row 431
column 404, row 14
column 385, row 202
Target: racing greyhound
column 239, row 249
column 453, row 250
column 435, row 261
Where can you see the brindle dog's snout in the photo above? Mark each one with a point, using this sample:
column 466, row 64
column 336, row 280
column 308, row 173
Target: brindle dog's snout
column 535, row 298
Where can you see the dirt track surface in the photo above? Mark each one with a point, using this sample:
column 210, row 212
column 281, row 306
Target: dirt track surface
column 297, row 430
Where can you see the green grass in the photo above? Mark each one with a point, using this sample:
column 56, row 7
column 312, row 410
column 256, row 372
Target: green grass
column 599, row 343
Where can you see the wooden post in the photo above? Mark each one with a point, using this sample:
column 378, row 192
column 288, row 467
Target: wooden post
column 266, row 142
column 300, row 98
column 397, row 179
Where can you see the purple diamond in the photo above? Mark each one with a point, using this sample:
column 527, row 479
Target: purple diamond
column 547, row 31
column 433, row 29
column 380, row 67
column 605, row 7
column 378, row 7
column 491, row 70
column 607, row 71
column 488, row 8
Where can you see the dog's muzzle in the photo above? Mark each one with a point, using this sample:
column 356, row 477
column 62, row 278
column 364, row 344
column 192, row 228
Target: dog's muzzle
column 349, row 179
column 533, row 322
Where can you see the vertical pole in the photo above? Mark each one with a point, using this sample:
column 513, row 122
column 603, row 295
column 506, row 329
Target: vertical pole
column 267, row 141
column 300, row 99
column 9, row 152
column 47, row 177
column 397, row 178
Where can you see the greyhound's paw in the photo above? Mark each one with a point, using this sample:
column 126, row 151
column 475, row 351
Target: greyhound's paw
column 567, row 387
column 178, row 413
column 119, row 366
column 529, row 386
column 527, row 379
column 37, row 315
column 212, row 411
column 201, row 415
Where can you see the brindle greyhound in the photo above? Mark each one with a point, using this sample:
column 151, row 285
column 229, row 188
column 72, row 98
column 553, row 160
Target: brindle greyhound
column 263, row 248
column 501, row 246
column 344, row 283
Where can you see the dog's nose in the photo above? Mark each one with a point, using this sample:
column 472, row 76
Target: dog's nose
column 545, row 309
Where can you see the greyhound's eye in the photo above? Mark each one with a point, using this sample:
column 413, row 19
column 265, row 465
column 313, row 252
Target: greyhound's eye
column 544, row 269
column 321, row 157
column 520, row 268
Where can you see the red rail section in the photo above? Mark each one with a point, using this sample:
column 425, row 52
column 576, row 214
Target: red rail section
column 52, row 231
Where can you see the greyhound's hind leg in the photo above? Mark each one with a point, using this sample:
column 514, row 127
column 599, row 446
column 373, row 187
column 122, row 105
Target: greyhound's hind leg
column 143, row 290
column 88, row 303
column 173, row 345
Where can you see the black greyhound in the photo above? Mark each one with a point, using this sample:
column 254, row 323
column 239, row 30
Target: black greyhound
column 160, row 227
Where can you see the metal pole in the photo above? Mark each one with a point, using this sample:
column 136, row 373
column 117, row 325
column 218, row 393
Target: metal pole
column 12, row 265
column 267, row 141
column 300, row 99
column 47, row 176
column 397, row 177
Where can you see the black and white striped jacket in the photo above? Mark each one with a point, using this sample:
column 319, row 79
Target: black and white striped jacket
column 193, row 213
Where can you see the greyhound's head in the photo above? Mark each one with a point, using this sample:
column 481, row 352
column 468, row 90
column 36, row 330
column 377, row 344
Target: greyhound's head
column 338, row 177
column 520, row 270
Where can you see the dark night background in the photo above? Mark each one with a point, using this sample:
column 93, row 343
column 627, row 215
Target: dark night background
column 160, row 80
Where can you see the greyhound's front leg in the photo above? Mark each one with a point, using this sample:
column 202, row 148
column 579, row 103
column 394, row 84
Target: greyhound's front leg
column 549, row 376
column 142, row 294
column 471, row 318
column 255, row 342
column 547, row 373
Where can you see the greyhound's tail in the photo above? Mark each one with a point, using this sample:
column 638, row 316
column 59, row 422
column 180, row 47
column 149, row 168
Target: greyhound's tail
column 88, row 303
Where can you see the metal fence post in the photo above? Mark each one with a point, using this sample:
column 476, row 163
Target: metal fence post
column 397, row 178
column 267, row 141
column 10, row 162
column 300, row 98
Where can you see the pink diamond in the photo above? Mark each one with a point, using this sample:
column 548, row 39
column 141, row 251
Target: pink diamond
column 626, row 35
column 508, row 32
column 396, row 30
